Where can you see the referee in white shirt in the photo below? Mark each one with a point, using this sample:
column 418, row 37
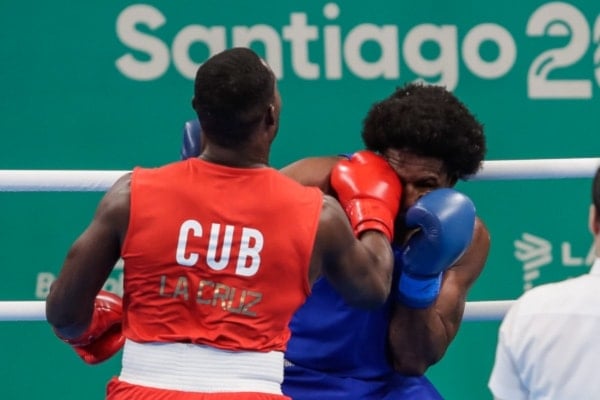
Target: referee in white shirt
column 549, row 341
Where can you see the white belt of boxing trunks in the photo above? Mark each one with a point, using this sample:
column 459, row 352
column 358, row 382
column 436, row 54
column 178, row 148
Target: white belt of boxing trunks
column 196, row 368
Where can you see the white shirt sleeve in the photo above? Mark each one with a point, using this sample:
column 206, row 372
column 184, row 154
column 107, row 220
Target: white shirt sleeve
column 505, row 382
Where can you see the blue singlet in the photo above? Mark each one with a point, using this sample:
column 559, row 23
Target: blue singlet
column 340, row 352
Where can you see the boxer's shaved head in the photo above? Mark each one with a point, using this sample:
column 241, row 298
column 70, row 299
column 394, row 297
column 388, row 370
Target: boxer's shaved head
column 232, row 92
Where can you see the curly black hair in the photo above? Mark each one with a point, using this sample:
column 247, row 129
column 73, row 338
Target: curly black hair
column 428, row 121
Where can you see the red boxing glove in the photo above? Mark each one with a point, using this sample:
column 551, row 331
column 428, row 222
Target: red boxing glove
column 104, row 337
column 369, row 190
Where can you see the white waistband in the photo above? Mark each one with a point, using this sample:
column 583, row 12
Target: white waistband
column 195, row 368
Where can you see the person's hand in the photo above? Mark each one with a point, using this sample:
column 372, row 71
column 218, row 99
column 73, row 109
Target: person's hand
column 369, row 190
column 103, row 338
column 445, row 219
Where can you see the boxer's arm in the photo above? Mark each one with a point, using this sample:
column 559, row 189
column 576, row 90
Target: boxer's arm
column 360, row 269
column 419, row 338
column 91, row 258
column 312, row 171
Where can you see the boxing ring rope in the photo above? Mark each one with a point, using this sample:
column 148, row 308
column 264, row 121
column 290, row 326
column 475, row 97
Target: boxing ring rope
column 97, row 181
column 492, row 310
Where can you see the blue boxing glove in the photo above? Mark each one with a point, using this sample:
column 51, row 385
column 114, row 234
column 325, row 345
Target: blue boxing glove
column 446, row 220
column 192, row 139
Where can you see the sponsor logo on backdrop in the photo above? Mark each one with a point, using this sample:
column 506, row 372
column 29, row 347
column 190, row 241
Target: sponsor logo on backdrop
column 536, row 252
column 114, row 283
column 322, row 47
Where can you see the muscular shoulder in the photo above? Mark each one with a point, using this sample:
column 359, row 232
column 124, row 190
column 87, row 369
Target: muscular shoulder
column 328, row 240
column 332, row 214
column 473, row 260
column 481, row 237
column 114, row 206
column 119, row 192
column 334, row 233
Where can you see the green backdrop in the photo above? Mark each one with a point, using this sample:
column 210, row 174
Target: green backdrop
column 107, row 85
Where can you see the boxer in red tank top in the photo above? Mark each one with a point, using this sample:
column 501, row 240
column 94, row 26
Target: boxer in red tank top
column 220, row 251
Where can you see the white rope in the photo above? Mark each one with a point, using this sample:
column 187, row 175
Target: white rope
column 97, row 181
column 22, row 310
column 549, row 168
column 57, row 180
column 36, row 310
column 493, row 310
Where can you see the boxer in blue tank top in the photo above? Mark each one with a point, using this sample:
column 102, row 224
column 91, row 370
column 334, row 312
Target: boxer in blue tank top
column 338, row 352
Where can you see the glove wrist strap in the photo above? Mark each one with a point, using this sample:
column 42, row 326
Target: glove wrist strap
column 419, row 292
column 370, row 214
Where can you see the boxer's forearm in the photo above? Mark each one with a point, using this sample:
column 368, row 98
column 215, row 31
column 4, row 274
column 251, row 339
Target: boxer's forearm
column 419, row 338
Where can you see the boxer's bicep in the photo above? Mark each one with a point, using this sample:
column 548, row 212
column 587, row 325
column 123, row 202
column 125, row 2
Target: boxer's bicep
column 90, row 259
